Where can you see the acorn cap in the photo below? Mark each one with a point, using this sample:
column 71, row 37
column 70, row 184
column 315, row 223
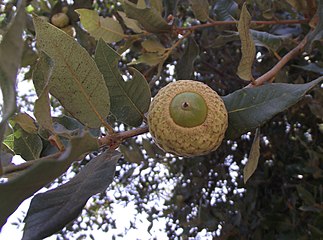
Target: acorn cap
column 187, row 118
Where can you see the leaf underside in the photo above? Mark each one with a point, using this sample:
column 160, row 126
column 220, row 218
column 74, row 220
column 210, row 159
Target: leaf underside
column 253, row 158
column 27, row 182
column 248, row 48
column 75, row 81
column 49, row 212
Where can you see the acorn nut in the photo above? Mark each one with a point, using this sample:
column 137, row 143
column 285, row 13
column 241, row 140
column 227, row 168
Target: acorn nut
column 69, row 30
column 187, row 118
column 60, row 20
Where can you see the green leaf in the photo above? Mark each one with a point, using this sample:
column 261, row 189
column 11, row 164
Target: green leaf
column 69, row 126
column 312, row 67
column 26, row 122
column 9, row 141
column 5, row 158
column 248, row 48
column 264, row 39
column 149, row 18
column 254, row 154
column 151, row 59
column 222, row 40
column 154, row 46
column 130, row 23
column 299, row 5
column 27, row 145
column 200, row 9
column 141, row 4
column 41, row 79
column 29, row 55
column 185, row 65
column 250, row 108
column 158, row 5
column 132, row 153
column 130, row 99
column 305, row 195
column 76, row 81
column 42, row 72
column 107, row 28
column 127, row 44
column 45, row 170
column 224, row 9
column 315, row 231
column 152, row 150
column 317, row 34
column 11, row 48
column 49, row 212
column 270, row 41
column 42, row 111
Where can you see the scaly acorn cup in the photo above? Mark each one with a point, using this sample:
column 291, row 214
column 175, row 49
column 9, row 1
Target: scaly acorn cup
column 187, row 118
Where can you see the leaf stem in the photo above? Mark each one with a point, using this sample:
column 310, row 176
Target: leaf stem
column 270, row 75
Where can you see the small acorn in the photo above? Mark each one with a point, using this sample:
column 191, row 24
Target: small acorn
column 187, row 118
column 65, row 9
column 69, row 30
column 60, row 20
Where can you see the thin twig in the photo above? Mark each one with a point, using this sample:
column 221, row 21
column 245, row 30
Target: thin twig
column 270, row 75
column 114, row 140
column 156, row 77
column 216, row 23
column 166, row 55
column 133, row 132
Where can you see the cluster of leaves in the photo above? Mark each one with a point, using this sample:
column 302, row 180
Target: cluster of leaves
column 199, row 40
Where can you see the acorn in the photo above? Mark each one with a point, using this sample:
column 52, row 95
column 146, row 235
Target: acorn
column 187, row 118
column 60, row 20
column 69, row 30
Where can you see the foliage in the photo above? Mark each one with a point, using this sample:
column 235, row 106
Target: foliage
column 267, row 65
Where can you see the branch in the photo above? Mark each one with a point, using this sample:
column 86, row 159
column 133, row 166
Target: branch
column 268, row 76
column 133, row 132
column 216, row 23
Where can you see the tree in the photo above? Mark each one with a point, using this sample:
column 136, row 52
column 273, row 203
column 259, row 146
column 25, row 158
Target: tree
column 267, row 67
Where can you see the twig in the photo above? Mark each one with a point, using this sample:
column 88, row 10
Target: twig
column 108, row 127
column 189, row 32
column 269, row 76
column 156, row 77
column 166, row 55
column 133, row 132
column 114, row 140
column 216, row 23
